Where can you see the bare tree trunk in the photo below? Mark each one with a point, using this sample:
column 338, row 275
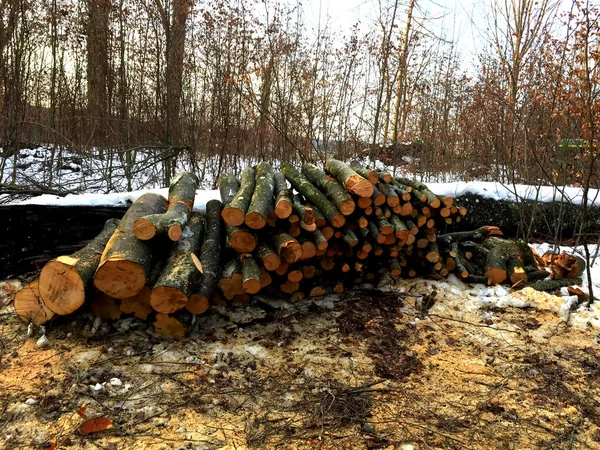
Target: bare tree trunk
column 98, row 66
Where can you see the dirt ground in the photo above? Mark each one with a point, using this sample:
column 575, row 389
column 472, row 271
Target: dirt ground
column 421, row 365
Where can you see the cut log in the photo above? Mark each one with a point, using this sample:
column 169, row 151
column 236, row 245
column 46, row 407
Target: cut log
column 283, row 196
column 349, row 237
column 431, row 199
column 336, row 192
column 210, row 260
column 250, row 274
column 288, row 248
column 319, row 239
column 282, row 269
column 400, row 228
column 105, row 307
column 391, row 196
column 265, row 278
column 378, row 197
column 230, row 282
column 385, row 227
column 126, row 261
column 241, row 239
column 262, row 197
column 138, row 305
column 313, row 195
column 169, row 326
column 234, row 213
column 309, row 249
column 228, row 187
column 269, row 259
column 182, row 270
column 182, row 192
column 566, row 265
column 352, row 181
column 374, row 230
column 295, row 275
column 306, row 214
column 29, row 305
column 549, row 285
column 289, row 287
column 63, row 281
column 364, row 202
column 369, row 174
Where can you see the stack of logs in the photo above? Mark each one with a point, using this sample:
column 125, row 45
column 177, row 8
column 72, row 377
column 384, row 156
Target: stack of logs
column 330, row 230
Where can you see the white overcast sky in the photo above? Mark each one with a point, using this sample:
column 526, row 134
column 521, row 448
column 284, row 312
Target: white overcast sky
column 456, row 20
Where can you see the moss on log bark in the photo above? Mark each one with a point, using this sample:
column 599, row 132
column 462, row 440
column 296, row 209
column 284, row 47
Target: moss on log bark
column 352, row 181
column 182, row 270
column 63, row 281
column 250, row 274
column 234, row 213
column 313, row 195
column 283, row 196
column 182, row 192
column 369, row 174
column 210, row 259
column 126, row 261
column 334, row 191
column 262, row 198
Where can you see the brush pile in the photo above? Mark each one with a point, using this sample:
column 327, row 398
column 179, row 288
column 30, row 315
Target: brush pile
column 329, row 230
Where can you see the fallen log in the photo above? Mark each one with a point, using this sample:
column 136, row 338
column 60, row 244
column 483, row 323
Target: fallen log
column 30, row 307
column 63, row 281
column 262, row 198
column 182, row 270
column 313, row 195
column 234, row 212
column 210, row 260
column 125, row 264
column 336, row 192
column 182, row 192
column 348, row 178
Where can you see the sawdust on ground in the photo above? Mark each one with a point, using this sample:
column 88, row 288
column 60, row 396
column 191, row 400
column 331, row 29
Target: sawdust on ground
column 392, row 368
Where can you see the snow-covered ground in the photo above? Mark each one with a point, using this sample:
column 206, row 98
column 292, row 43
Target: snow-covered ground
column 103, row 182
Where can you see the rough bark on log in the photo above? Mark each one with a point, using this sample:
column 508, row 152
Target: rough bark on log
column 549, row 285
column 261, row 202
column 288, row 248
column 241, row 239
column 270, row 260
column 182, row 192
column 228, row 187
column 352, row 181
column 29, row 305
column 251, row 282
column 369, row 174
column 182, row 270
column 210, row 260
column 126, row 261
column 234, row 213
column 283, row 196
column 63, row 281
column 313, row 195
column 336, row 192
column 230, row 282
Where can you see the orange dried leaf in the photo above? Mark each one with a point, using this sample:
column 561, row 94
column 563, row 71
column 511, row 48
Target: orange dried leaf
column 95, row 425
column 81, row 411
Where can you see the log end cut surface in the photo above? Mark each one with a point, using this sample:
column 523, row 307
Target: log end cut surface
column 120, row 278
column 166, row 300
column 175, row 232
column 144, row 229
column 233, row 216
column 30, row 307
column 61, row 286
column 255, row 221
column 198, row 304
column 360, row 186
